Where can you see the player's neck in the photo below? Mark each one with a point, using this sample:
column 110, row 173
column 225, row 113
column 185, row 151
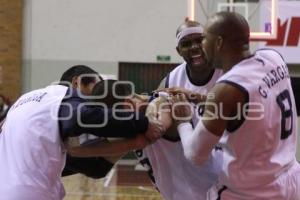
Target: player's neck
column 235, row 59
column 199, row 77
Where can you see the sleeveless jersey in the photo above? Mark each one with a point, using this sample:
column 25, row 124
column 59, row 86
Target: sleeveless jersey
column 263, row 147
column 32, row 155
column 175, row 177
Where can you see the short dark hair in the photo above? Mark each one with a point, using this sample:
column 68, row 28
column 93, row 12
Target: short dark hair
column 78, row 70
column 233, row 27
column 109, row 85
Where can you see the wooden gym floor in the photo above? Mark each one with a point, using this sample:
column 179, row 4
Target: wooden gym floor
column 126, row 181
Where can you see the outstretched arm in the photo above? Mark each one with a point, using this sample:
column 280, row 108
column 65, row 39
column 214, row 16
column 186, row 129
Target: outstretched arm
column 76, row 117
column 160, row 108
column 199, row 143
column 105, row 148
column 191, row 96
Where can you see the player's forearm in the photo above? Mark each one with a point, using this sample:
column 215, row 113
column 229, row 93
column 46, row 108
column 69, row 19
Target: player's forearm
column 191, row 96
column 103, row 149
column 197, row 144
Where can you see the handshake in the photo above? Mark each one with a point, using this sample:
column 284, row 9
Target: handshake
column 171, row 107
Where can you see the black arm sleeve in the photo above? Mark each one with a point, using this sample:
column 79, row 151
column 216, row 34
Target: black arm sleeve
column 97, row 120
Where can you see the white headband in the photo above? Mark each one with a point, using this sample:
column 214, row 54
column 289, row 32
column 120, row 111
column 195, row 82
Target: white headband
column 188, row 31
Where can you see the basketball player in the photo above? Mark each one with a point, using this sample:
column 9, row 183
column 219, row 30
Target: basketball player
column 32, row 152
column 254, row 113
column 175, row 177
column 112, row 149
column 85, row 163
column 72, row 78
column 80, row 77
column 84, row 78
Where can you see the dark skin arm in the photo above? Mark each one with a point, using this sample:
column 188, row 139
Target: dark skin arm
column 191, row 96
column 230, row 97
column 224, row 104
column 105, row 148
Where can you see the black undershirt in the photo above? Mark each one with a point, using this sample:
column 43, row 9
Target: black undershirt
column 89, row 115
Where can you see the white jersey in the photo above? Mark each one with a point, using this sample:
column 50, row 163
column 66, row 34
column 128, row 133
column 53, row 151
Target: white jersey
column 262, row 147
column 175, row 177
column 179, row 78
column 32, row 155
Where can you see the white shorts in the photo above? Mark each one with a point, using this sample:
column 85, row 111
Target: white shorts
column 285, row 187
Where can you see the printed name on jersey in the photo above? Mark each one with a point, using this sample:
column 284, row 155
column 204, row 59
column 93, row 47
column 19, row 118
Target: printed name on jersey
column 272, row 78
column 34, row 98
column 146, row 164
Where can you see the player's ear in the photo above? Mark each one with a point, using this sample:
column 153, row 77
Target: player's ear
column 75, row 82
column 219, row 43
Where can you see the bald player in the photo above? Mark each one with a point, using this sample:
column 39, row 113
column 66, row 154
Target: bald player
column 258, row 121
column 174, row 176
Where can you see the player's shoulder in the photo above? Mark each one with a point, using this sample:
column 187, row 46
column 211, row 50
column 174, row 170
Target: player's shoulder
column 178, row 74
column 33, row 93
column 267, row 51
column 269, row 54
column 179, row 68
column 240, row 72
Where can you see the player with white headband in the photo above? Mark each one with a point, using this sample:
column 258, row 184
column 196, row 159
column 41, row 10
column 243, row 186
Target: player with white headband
column 175, row 177
column 188, row 31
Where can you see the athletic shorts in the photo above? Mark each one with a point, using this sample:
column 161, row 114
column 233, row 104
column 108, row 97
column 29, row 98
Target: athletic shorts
column 285, row 187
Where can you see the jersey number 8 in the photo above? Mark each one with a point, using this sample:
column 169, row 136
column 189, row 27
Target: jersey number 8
column 285, row 105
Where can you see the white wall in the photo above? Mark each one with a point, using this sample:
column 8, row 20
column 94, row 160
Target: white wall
column 39, row 73
column 59, row 33
column 99, row 33
column 104, row 30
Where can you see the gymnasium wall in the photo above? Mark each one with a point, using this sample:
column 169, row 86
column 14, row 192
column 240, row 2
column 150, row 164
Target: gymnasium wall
column 39, row 73
column 59, row 33
column 100, row 33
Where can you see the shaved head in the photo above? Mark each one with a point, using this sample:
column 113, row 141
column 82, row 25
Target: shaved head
column 231, row 26
column 226, row 40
